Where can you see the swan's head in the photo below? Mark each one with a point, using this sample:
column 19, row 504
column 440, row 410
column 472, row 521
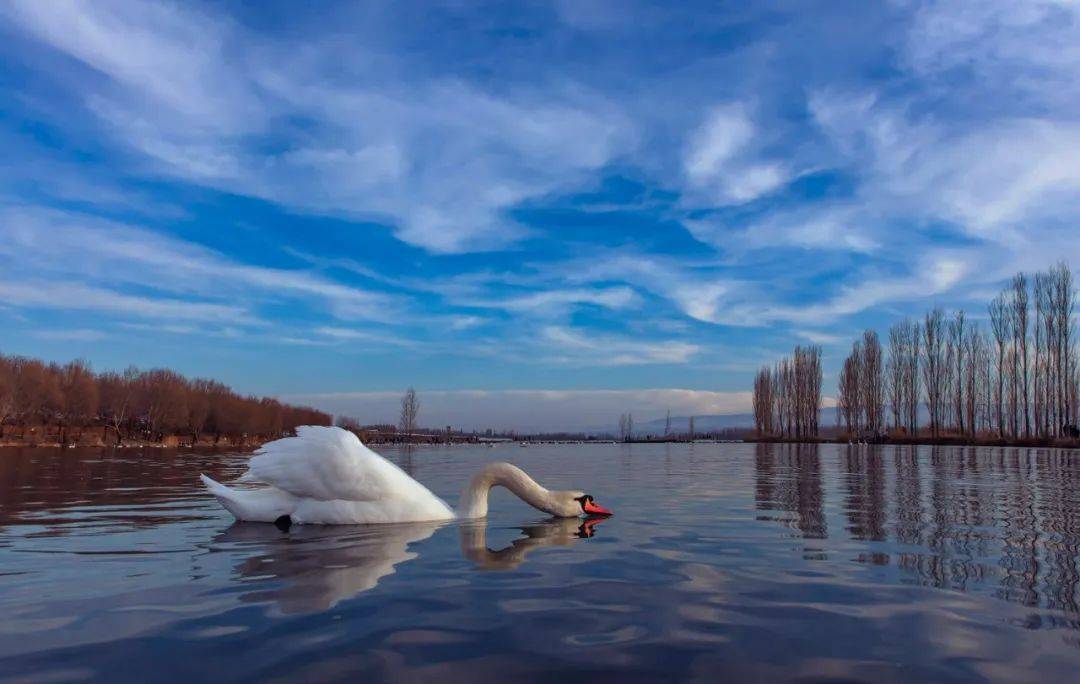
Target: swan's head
column 573, row 504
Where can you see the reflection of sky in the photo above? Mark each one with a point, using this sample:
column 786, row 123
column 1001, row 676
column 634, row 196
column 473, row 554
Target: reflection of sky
column 734, row 560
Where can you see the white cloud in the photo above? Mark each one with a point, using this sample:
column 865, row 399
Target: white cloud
column 693, row 287
column 567, row 345
column 991, row 180
column 719, row 158
column 725, row 133
column 821, row 337
column 839, row 227
column 465, row 322
column 171, row 55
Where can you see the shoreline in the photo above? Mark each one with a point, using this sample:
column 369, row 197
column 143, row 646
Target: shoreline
column 1057, row 443
column 130, row 444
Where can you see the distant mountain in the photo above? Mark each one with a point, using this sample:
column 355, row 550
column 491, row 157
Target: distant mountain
column 706, row 423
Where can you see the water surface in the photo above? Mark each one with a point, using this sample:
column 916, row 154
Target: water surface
column 736, row 561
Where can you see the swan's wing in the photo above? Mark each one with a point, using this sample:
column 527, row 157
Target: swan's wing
column 328, row 463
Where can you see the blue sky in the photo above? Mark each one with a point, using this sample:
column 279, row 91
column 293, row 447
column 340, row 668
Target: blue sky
column 552, row 206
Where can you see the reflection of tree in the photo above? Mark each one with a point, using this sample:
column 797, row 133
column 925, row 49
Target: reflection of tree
column 907, row 504
column 1067, row 529
column 865, row 483
column 788, row 479
column 122, row 486
column 1059, row 522
column 765, row 496
column 407, row 460
column 953, row 509
column 1005, row 520
column 1020, row 538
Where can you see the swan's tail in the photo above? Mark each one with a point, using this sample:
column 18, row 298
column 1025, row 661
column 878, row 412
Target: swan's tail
column 256, row 505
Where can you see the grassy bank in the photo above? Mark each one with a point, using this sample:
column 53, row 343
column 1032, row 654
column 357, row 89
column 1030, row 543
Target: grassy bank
column 40, row 436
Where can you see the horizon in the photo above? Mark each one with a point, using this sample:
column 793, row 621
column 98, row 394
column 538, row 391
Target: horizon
column 541, row 217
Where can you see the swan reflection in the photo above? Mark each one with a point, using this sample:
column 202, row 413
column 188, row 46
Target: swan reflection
column 553, row 532
column 312, row 568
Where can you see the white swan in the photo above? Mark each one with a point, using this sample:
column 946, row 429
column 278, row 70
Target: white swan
column 325, row 475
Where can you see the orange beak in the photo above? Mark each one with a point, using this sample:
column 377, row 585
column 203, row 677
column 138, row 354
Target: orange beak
column 593, row 509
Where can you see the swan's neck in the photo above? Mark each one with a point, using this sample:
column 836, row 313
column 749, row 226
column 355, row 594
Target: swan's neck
column 474, row 500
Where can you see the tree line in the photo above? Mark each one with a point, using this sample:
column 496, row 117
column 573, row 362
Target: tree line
column 787, row 397
column 147, row 405
column 1015, row 379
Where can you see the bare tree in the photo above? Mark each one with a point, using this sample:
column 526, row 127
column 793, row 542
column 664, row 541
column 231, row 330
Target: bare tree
column 911, row 373
column 1041, row 329
column 903, row 375
column 934, row 367
column 38, row 397
column 626, row 426
column 849, row 395
column 161, row 402
column 80, row 395
column 198, row 405
column 1036, row 392
column 1020, row 341
column 894, row 373
column 763, row 402
column 1001, row 326
column 972, row 376
column 155, row 403
column 784, row 386
column 787, row 399
column 871, row 382
column 116, row 391
column 813, row 389
column 7, row 392
column 957, row 350
column 987, row 364
column 410, row 410
column 1064, row 304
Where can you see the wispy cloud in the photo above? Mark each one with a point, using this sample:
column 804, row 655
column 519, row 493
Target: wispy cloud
column 574, row 346
column 441, row 158
column 354, row 335
column 821, row 337
column 554, row 301
column 65, row 245
column 71, row 335
column 79, row 297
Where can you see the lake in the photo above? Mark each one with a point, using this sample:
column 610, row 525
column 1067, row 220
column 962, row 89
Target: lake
column 722, row 562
